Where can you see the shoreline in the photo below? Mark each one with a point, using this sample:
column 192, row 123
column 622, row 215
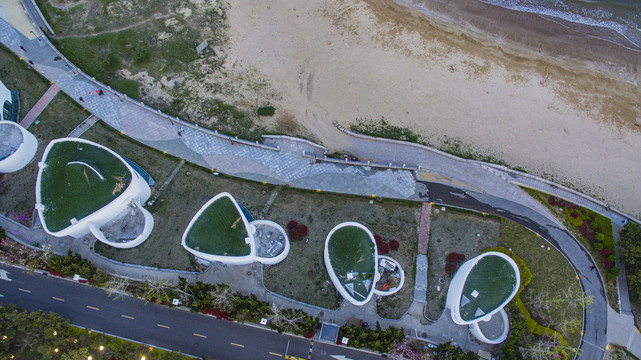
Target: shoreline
column 530, row 35
column 497, row 89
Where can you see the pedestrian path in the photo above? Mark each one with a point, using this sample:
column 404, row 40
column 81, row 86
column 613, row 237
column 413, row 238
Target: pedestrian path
column 85, row 125
column 40, row 106
column 424, row 228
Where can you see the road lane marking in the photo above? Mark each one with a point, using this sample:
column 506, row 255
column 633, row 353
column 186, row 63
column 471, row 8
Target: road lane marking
column 239, row 345
column 127, row 317
column 59, row 299
column 163, row 326
column 202, row 336
column 25, row 290
column 275, row 354
column 92, row 308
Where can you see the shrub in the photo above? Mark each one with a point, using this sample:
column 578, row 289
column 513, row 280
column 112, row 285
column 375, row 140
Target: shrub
column 451, row 268
column 291, row 224
column 293, row 233
column 607, row 252
column 383, row 248
column 266, row 110
column 608, row 264
column 574, row 214
column 598, row 246
column 615, row 271
column 378, row 239
column 302, row 230
column 394, row 245
column 612, row 258
column 452, row 257
column 460, row 258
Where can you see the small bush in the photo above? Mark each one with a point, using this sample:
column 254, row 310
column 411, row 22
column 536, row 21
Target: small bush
column 612, row 258
column 607, row 252
column 378, row 238
column 383, row 248
column 394, row 245
column 291, row 224
column 451, row 268
column 293, row 233
column 615, row 271
column 608, row 264
column 460, row 258
column 302, row 230
column 266, row 110
column 452, row 257
column 598, row 246
column 574, row 214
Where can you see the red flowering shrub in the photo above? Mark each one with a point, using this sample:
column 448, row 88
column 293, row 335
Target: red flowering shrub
column 309, row 334
column 608, row 264
column 394, row 245
column 302, row 230
column 383, row 248
column 293, row 233
column 291, row 224
column 607, row 252
column 451, row 268
column 460, row 258
column 452, row 257
column 378, row 238
column 574, row 214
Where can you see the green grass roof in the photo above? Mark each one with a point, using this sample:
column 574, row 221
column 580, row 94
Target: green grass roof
column 351, row 251
column 214, row 231
column 494, row 279
column 79, row 178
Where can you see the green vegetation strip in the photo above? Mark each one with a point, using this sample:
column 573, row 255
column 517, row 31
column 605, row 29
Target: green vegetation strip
column 94, row 178
column 219, row 230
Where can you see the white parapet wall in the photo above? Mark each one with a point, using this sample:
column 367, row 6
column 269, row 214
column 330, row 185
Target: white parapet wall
column 24, row 152
column 396, row 289
column 250, row 240
column 137, row 191
column 332, row 273
column 458, row 282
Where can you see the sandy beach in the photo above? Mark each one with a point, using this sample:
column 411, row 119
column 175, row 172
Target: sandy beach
column 507, row 84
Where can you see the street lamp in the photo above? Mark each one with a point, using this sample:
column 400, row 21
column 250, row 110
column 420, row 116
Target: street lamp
column 101, row 348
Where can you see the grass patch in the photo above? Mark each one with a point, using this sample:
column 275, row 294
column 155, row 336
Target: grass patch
column 302, row 275
column 266, row 111
column 78, row 180
column 610, row 282
column 219, row 230
column 57, row 120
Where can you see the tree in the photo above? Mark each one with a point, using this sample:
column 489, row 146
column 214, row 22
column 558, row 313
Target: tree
column 116, row 285
column 158, row 291
column 221, row 297
column 630, row 244
column 448, row 351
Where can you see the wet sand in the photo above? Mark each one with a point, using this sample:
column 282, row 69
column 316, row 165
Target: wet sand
column 501, row 83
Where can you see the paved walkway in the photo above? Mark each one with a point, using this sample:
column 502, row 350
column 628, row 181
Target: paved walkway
column 40, row 106
column 85, row 125
column 285, row 161
column 424, row 228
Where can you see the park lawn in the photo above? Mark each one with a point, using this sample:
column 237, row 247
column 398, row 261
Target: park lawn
column 57, row 120
column 610, row 283
column 219, row 230
column 457, row 231
column 302, row 275
column 551, row 274
column 78, row 180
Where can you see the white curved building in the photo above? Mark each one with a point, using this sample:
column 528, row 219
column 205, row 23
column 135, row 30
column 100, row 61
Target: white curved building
column 84, row 187
column 222, row 230
column 356, row 269
column 17, row 146
column 481, row 288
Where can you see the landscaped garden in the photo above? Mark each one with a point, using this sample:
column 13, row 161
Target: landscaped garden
column 302, row 275
column 57, row 120
column 78, row 179
column 594, row 231
column 552, row 296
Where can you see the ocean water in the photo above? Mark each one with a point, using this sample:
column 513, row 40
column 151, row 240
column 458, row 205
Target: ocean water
column 617, row 21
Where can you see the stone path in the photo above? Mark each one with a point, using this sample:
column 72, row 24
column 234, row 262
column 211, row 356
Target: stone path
column 83, row 127
column 40, row 106
column 424, row 229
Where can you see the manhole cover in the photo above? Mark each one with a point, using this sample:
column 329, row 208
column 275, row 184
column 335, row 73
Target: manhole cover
column 438, row 240
column 441, row 281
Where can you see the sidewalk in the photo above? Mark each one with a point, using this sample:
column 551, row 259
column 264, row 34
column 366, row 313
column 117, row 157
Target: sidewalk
column 45, row 99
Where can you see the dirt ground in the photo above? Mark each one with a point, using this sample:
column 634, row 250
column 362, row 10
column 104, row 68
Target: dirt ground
column 321, row 212
column 453, row 231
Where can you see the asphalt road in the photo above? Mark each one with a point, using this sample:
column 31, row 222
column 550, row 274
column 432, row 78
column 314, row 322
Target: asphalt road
column 156, row 325
column 594, row 337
